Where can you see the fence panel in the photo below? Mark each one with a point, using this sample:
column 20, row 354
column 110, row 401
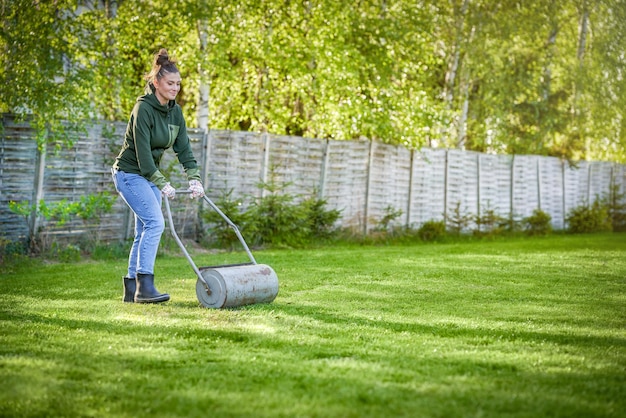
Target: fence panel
column 346, row 185
column 390, row 174
column 495, row 184
column 18, row 166
column 236, row 163
column 295, row 164
column 600, row 180
column 576, row 185
column 428, row 187
column 525, row 186
column 551, row 189
column 462, row 182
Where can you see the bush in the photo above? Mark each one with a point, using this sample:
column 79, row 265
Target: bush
column 273, row 220
column 588, row 219
column 490, row 223
column 432, row 231
column 321, row 221
column 458, row 220
column 276, row 221
column 538, row 223
column 219, row 232
column 616, row 206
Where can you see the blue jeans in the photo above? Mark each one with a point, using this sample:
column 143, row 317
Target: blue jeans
column 144, row 198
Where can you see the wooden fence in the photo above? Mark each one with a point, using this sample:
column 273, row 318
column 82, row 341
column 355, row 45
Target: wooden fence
column 363, row 179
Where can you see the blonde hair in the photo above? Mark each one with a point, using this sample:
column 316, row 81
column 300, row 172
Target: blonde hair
column 161, row 65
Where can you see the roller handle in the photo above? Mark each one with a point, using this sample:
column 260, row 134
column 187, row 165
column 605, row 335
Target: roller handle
column 180, row 243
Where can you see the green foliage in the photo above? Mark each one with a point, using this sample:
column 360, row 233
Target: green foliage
column 589, row 218
column 432, row 231
column 539, row 223
column 321, row 221
column 219, row 232
column 273, row 220
column 64, row 253
column 490, row 223
column 12, row 251
column 458, row 220
column 413, row 73
column 616, row 206
column 89, row 209
column 391, row 214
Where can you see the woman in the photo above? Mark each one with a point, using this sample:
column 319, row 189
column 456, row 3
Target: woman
column 156, row 124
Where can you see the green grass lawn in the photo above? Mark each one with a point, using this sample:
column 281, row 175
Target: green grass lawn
column 508, row 328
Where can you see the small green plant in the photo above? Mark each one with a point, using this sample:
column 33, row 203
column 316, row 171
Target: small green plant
column 616, row 206
column 490, row 223
column 219, row 232
column 89, row 209
column 321, row 221
column 589, row 218
column 538, row 223
column 68, row 253
column 391, row 214
column 275, row 220
column 458, row 220
column 432, row 231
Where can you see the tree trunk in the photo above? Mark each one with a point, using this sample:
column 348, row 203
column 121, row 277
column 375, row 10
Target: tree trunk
column 204, row 87
column 580, row 55
column 456, row 57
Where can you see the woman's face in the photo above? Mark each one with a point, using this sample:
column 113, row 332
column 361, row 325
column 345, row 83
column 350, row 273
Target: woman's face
column 167, row 87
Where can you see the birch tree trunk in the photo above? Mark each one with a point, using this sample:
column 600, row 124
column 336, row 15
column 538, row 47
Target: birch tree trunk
column 453, row 69
column 580, row 55
column 202, row 117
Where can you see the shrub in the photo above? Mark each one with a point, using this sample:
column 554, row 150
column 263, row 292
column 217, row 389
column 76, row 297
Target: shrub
column 432, row 230
column 616, row 206
column 588, row 219
column 273, row 220
column 219, row 232
column 490, row 223
column 458, row 220
column 391, row 214
column 538, row 223
column 321, row 221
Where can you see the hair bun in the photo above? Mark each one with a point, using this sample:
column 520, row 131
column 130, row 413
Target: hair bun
column 162, row 57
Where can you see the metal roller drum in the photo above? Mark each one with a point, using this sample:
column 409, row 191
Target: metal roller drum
column 229, row 287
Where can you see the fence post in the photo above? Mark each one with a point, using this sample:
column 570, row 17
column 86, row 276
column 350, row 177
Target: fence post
column 564, row 204
column 370, row 161
column 512, row 191
column 410, row 197
column 33, row 222
column 478, row 190
column 445, row 189
column 589, row 167
column 324, row 170
column 538, row 165
column 266, row 161
column 206, row 155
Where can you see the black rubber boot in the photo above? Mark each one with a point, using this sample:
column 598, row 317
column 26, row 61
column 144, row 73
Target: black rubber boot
column 146, row 292
column 130, row 285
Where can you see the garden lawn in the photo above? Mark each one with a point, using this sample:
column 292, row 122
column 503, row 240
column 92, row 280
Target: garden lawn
column 507, row 328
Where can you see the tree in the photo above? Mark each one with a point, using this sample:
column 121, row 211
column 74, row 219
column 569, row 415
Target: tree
column 41, row 76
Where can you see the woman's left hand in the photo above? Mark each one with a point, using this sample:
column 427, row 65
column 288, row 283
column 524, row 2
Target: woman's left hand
column 196, row 189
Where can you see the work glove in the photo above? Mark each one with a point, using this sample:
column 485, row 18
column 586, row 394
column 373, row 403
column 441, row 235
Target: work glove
column 169, row 191
column 196, row 189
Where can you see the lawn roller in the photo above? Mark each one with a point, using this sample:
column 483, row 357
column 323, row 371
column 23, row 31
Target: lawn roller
column 229, row 285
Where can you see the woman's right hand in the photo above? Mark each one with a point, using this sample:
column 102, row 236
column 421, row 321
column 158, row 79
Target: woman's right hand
column 169, row 191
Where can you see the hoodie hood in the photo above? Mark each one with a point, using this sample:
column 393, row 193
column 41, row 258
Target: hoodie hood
column 150, row 98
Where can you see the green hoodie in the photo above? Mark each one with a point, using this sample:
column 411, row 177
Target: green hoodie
column 151, row 130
